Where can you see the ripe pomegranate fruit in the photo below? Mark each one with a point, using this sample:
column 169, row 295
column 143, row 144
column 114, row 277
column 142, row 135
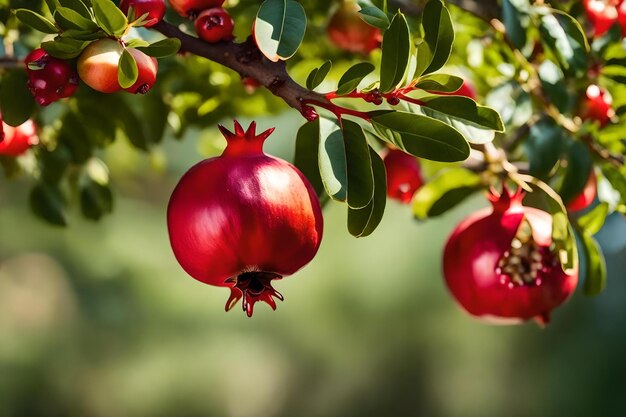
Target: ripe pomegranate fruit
column 154, row 8
column 500, row 264
column 193, row 7
column 587, row 196
column 602, row 14
column 244, row 219
column 466, row 90
column 97, row 67
column 214, row 25
column 14, row 141
column 349, row 32
column 621, row 17
column 404, row 175
column 49, row 79
column 597, row 105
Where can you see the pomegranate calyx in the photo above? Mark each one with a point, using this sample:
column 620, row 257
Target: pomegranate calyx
column 506, row 199
column 244, row 142
column 252, row 287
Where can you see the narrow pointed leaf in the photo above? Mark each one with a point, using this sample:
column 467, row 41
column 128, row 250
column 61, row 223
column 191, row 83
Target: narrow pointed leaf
column 359, row 166
column 36, row 21
column 595, row 273
column 351, row 79
column 109, row 17
column 127, row 72
column 332, row 160
column 307, row 154
column 363, row 222
column 279, row 28
column 396, row 52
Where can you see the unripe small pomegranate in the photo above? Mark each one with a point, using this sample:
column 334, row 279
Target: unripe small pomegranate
column 404, row 175
column 349, row 32
column 193, row 7
column 49, row 79
column 154, row 8
column 244, row 219
column 14, row 141
column 214, row 25
column 466, row 90
column 98, row 67
column 587, row 196
column 602, row 14
column 500, row 263
column 597, row 105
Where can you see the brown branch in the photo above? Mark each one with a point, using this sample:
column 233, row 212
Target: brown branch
column 246, row 59
column 10, row 63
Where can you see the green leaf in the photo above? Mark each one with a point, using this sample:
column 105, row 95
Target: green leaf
column 351, row 79
column 96, row 198
column 579, row 166
column 332, row 160
column 161, row 49
column 445, row 192
column 515, row 19
column 49, row 204
column 109, row 17
column 317, row 76
column 307, row 154
column 36, row 21
column 595, row 274
column 363, row 222
column 396, row 52
column 279, row 28
column 16, row 102
column 375, row 17
column 359, row 166
column 563, row 35
column 592, row 222
column 52, row 5
column 544, row 147
column 617, row 180
column 64, row 48
column 442, row 83
column 434, row 52
column 70, row 19
column 553, row 83
column 127, row 71
column 78, row 6
column 422, row 136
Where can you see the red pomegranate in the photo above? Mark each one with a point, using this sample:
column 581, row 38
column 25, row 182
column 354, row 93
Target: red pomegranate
column 466, row 90
column 244, row 219
column 155, row 9
column 349, row 32
column 14, row 141
column 587, row 196
column 602, row 14
column 500, row 265
column 597, row 105
column 621, row 17
column 193, row 7
column 214, row 25
column 404, row 175
column 49, row 79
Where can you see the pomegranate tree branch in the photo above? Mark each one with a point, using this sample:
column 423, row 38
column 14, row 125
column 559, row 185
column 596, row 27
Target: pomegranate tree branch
column 246, row 59
column 10, row 63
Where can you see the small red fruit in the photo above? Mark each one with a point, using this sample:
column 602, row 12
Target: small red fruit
column 349, row 32
column 404, row 175
column 501, row 266
column 214, row 25
column 250, row 84
column 49, row 79
column 244, row 219
column 193, row 7
column 155, row 9
column 602, row 14
column 98, row 67
column 587, row 196
column 18, row 139
column 597, row 105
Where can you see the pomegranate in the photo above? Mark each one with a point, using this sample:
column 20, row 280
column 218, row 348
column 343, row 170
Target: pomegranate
column 404, row 175
column 244, row 219
column 602, row 14
column 14, row 141
column 214, row 25
column 587, row 196
column 193, row 7
column 500, row 264
column 49, row 79
column 621, row 17
column 155, row 9
column 466, row 90
column 250, row 84
column 97, row 67
column 349, row 32
column 597, row 105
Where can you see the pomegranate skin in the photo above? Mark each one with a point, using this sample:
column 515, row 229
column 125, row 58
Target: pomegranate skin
column 479, row 253
column 148, row 68
column 349, row 32
column 587, row 196
column 154, row 8
column 244, row 219
column 214, row 25
column 404, row 175
column 53, row 80
column 466, row 90
column 597, row 105
column 18, row 139
column 193, row 7
column 621, row 17
column 602, row 14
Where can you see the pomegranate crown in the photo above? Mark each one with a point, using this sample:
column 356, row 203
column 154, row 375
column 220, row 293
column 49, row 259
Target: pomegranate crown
column 506, row 199
column 244, row 141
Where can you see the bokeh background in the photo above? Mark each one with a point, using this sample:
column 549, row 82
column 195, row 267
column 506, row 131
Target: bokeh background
column 98, row 320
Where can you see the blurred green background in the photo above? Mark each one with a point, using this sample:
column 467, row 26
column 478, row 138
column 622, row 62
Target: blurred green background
column 99, row 320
